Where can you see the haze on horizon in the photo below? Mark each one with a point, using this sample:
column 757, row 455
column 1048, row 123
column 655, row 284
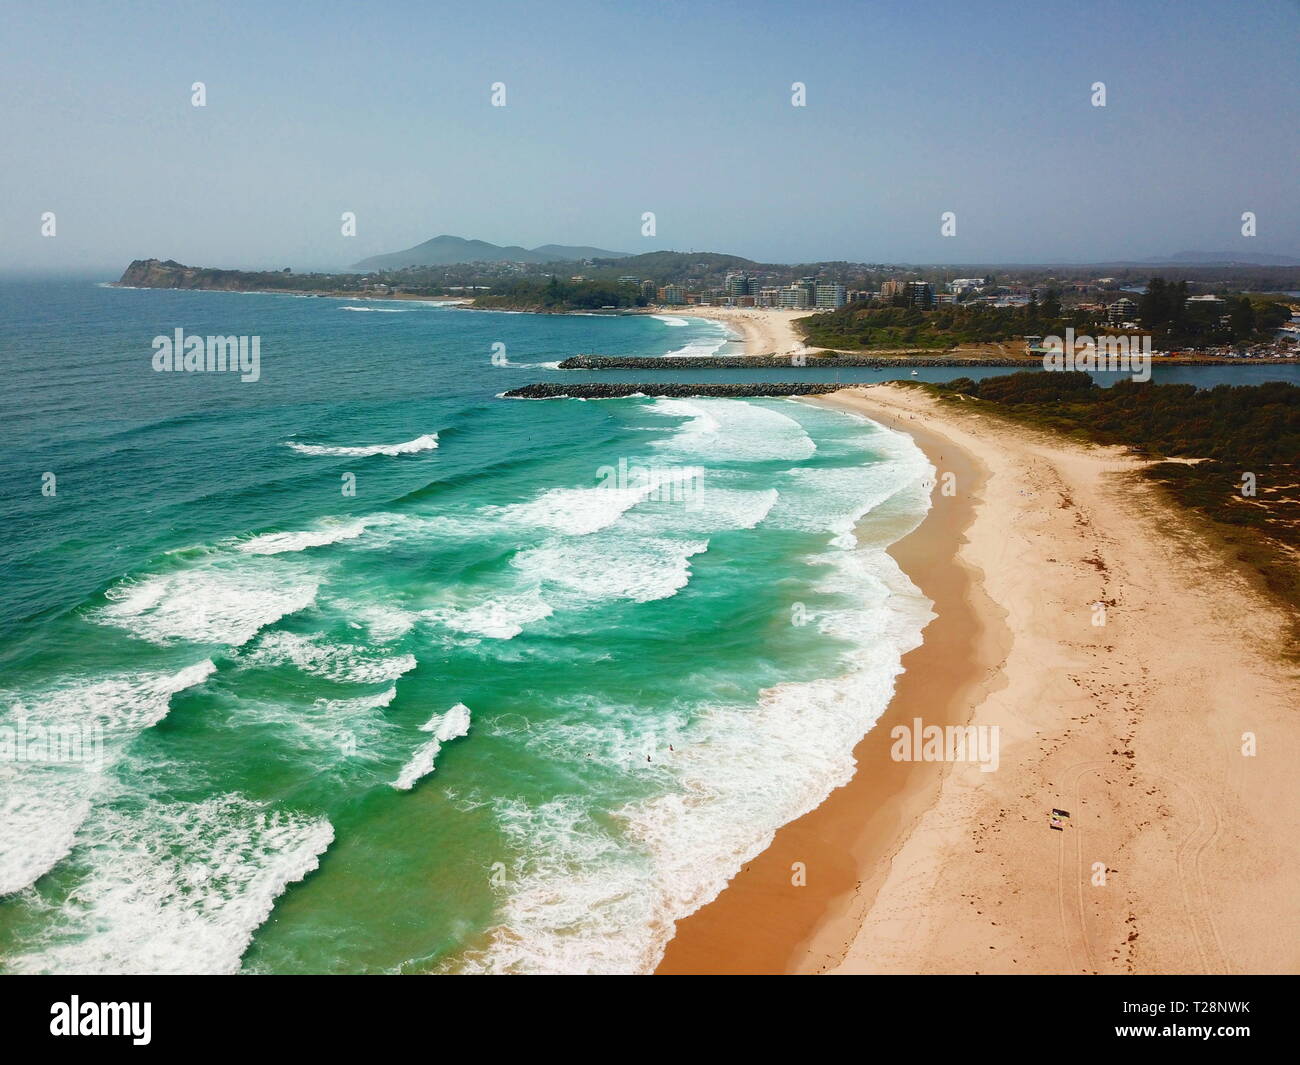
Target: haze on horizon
column 680, row 109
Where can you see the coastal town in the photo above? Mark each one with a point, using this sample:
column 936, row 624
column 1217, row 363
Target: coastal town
column 1234, row 311
column 1110, row 304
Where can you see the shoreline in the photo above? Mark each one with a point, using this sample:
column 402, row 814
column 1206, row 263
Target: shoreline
column 1177, row 839
column 763, row 330
column 400, row 297
column 761, row 923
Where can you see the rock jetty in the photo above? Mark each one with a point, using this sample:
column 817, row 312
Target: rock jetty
column 769, row 362
column 596, row 390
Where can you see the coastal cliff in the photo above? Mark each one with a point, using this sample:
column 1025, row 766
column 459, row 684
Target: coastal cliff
column 157, row 273
column 167, row 273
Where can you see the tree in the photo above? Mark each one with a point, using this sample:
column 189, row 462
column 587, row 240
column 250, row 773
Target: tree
column 1242, row 319
column 1153, row 307
column 1052, row 304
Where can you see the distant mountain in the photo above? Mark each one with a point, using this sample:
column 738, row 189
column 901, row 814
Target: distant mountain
column 450, row 251
column 551, row 253
column 1229, row 258
column 656, row 263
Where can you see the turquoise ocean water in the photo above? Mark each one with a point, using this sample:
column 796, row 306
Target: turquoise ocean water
column 502, row 709
column 373, row 671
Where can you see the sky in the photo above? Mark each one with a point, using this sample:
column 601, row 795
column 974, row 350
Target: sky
column 613, row 110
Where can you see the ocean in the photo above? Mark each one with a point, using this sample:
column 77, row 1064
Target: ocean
column 357, row 667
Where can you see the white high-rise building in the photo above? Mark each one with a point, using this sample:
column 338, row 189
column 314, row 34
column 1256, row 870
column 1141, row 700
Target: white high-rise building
column 828, row 296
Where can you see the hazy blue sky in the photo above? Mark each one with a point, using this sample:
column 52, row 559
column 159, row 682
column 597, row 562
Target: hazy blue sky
column 678, row 108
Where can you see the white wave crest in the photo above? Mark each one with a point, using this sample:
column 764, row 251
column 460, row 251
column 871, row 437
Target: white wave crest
column 44, row 803
column 177, row 887
column 499, row 618
column 449, row 726
column 345, row 662
column 218, row 600
column 328, row 532
column 594, row 568
column 580, row 511
column 728, row 430
column 410, row 447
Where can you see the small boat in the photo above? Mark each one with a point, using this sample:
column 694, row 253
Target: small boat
column 913, row 373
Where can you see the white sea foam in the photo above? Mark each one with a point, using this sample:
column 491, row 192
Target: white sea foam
column 553, row 365
column 577, row 894
column 596, row 568
column 835, row 498
column 586, row 895
column 705, row 347
column 410, row 447
column 449, row 726
column 701, row 346
column 831, row 499
column 575, row 511
column 700, row 423
column 174, row 887
column 329, row 732
column 384, row 530
column 499, row 618
column 42, row 805
column 382, row 622
column 121, row 705
column 215, row 600
column 579, row 511
column 581, row 727
column 748, row 770
column 327, row 532
column 714, row 508
column 346, row 662
column 41, row 810
column 701, row 349
column 724, row 430
column 379, row 310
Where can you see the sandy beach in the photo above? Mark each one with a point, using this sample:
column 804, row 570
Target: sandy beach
column 1134, row 676
column 765, row 331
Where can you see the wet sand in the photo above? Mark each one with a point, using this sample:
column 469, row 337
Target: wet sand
column 1136, row 676
column 762, row 923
